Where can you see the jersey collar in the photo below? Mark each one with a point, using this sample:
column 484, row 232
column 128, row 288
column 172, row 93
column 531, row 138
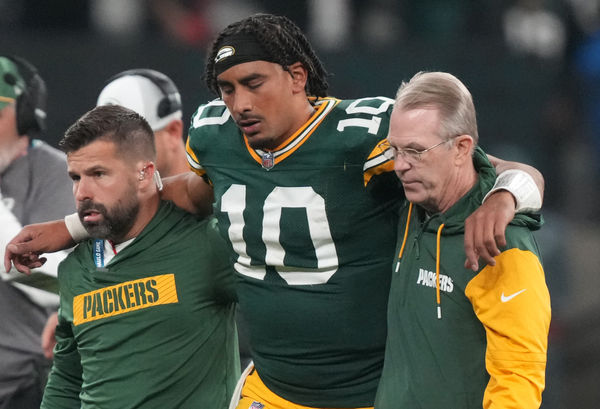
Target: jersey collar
column 268, row 159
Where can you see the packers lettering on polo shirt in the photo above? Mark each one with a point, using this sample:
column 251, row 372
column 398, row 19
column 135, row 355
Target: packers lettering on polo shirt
column 122, row 298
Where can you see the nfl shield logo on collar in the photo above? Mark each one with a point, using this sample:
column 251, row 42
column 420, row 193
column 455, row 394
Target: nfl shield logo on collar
column 256, row 405
column 268, row 161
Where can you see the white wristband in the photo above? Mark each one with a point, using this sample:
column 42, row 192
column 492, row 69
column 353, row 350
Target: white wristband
column 521, row 185
column 75, row 228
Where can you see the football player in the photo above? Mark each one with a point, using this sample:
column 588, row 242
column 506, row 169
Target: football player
column 305, row 193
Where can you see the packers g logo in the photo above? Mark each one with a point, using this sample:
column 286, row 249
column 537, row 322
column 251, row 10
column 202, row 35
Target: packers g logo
column 224, row 52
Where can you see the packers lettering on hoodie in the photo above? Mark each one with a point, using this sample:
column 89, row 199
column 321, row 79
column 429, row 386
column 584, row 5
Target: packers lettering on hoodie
column 125, row 297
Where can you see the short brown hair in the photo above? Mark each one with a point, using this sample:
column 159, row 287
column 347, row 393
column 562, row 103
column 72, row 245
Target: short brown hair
column 124, row 127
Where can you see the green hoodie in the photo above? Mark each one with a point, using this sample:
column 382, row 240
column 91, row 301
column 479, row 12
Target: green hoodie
column 154, row 328
column 484, row 344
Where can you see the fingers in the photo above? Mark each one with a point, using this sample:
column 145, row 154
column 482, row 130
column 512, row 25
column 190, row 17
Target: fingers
column 12, row 255
column 48, row 335
column 488, row 250
column 7, row 260
column 470, row 251
column 484, row 236
column 481, row 243
column 16, row 247
column 499, row 236
column 22, row 259
column 24, row 249
column 486, row 241
column 21, row 263
column 477, row 239
column 485, row 231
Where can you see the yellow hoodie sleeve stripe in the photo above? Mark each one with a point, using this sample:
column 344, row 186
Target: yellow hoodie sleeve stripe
column 511, row 300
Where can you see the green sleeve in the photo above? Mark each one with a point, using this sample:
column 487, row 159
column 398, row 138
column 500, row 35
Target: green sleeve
column 221, row 264
column 64, row 381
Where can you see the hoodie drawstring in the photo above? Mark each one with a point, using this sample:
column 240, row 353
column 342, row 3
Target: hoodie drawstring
column 437, row 260
column 438, row 298
column 405, row 236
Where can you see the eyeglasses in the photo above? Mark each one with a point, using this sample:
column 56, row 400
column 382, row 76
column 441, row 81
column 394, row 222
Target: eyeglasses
column 410, row 155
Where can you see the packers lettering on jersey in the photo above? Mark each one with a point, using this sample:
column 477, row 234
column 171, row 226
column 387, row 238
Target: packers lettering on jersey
column 120, row 299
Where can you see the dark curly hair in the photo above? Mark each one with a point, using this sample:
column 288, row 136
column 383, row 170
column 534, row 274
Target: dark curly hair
column 283, row 40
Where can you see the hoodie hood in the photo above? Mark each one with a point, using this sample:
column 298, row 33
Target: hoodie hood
column 454, row 218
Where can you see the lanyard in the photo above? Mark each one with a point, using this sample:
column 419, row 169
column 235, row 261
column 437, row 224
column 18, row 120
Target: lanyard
column 99, row 252
column 99, row 245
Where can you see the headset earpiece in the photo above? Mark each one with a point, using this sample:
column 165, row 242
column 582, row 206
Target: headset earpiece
column 10, row 79
column 171, row 102
column 31, row 104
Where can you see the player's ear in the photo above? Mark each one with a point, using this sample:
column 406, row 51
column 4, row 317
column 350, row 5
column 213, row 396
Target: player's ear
column 299, row 76
column 464, row 147
column 145, row 174
column 175, row 130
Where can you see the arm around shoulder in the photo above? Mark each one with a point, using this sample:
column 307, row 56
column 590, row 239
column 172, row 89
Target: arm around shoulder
column 190, row 192
column 524, row 182
column 518, row 188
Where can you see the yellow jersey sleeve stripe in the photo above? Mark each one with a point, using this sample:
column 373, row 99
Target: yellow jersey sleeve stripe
column 378, row 162
column 192, row 160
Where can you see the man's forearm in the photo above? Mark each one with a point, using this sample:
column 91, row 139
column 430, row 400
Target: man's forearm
column 525, row 183
column 189, row 192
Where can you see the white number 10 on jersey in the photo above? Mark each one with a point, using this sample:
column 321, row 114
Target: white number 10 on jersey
column 233, row 202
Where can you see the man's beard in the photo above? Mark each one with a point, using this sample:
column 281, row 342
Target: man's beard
column 265, row 144
column 115, row 223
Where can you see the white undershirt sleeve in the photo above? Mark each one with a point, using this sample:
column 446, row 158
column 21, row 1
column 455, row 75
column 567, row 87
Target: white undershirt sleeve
column 75, row 228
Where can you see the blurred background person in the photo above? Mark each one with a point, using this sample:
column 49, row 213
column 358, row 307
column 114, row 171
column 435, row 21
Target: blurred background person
column 34, row 187
column 154, row 96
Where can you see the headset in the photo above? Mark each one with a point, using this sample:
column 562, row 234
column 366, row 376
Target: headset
column 171, row 102
column 31, row 104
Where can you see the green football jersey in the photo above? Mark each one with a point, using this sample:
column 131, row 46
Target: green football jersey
column 312, row 228
column 153, row 328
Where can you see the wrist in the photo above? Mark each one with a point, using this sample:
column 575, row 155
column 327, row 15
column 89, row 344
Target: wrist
column 522, row 187
column 75, row 228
